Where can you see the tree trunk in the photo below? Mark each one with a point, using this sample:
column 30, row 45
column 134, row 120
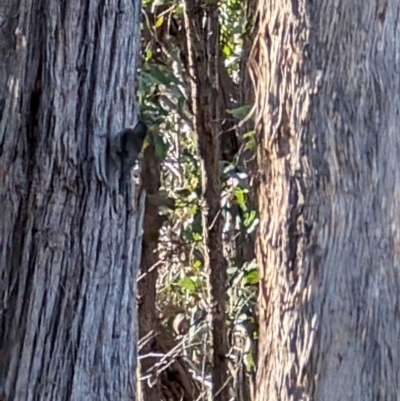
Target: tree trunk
column 202, row 30
column 329, row 106
column 148, row 319
column 69, row 239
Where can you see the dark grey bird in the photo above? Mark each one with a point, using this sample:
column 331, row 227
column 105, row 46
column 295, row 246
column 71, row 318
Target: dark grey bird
column 130, row 145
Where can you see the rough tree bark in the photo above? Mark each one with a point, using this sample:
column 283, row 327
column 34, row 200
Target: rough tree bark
column 202, row 44
column 148, row 318
column 328, row 92
column 69, row 241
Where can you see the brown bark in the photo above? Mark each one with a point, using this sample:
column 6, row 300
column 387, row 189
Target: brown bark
column 149, row 272
column 70, row 243
column 328, row 96
column 245, row 242
column 203, row 68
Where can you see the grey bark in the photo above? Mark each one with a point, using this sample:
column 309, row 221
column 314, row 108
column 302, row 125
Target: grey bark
column 329, row 104
column 69, row 242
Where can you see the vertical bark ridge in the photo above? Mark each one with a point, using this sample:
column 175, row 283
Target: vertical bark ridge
column 70, row 246
column 328, row 95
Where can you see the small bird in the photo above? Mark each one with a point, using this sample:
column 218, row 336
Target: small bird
column 130, row 145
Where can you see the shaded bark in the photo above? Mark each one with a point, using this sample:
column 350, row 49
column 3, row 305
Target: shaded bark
column 148, row 274
column 245, row 242
column 328, row 96
column 70, row 244
column 202, row 43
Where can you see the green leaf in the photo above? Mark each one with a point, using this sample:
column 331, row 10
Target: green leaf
column 249, row 134
column 196, row 236
column 249, row 218
column 148, row 55
column 161, row 147
column 161, row 77
column 159, row 21
column 249, row 362
column 250, row 138
column 197, row 226
column 251, row 277
column 240, row 198
column 189, row 284
column 155, row 3
column 240, row 112
column 227, row 51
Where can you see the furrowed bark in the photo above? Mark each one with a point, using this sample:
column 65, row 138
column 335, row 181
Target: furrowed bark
column 328, row 95
column 148, row 319
column 70, row 244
